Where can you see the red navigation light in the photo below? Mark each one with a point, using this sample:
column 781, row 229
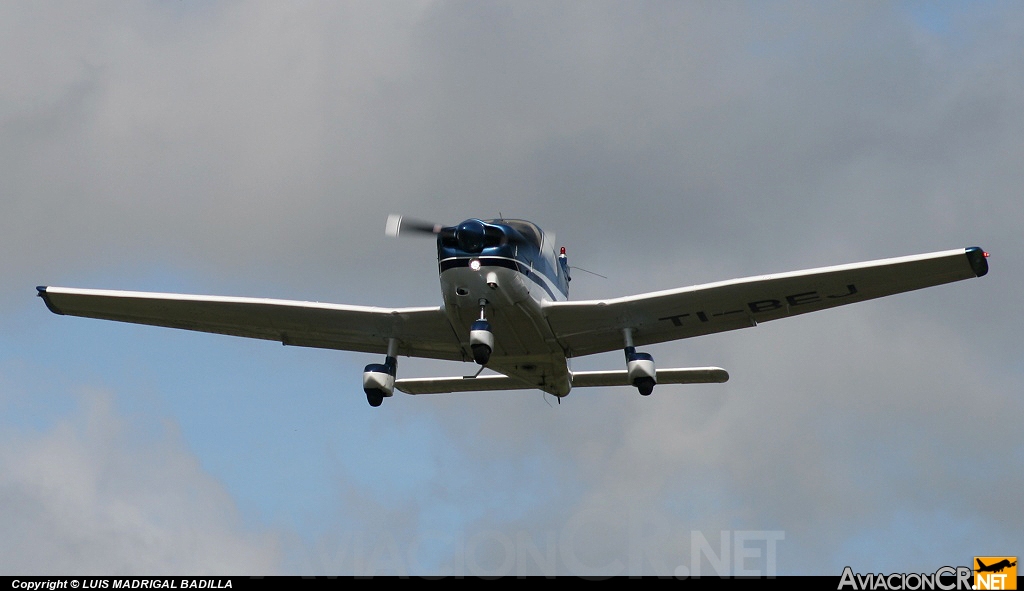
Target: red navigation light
column 562, row 252
column 983, row 253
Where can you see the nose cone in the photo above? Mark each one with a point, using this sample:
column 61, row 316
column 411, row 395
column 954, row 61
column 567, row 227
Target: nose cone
column 471, row 235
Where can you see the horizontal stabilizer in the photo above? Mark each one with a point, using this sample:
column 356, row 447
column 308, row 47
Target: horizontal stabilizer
column 460, row 384
column 677, row 375
column 580, row 379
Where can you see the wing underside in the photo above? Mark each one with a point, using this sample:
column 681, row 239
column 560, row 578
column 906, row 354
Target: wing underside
column 421, row 332
column 587, row 327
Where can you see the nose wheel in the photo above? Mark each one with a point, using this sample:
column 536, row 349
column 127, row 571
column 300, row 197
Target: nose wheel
column 481, row 339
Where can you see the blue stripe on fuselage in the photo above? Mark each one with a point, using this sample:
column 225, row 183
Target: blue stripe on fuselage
column 486, row 261
column 516, row 251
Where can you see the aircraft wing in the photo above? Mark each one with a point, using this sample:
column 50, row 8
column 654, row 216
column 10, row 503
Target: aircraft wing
column 595, row 326
column 421, row 332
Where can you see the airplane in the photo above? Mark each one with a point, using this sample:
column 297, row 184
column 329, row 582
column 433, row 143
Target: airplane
column 505, row 307
column 994, row 568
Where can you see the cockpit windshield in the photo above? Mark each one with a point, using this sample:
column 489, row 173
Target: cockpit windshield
column 529, row 230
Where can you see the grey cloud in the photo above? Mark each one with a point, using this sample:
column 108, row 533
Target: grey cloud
column 90, row 496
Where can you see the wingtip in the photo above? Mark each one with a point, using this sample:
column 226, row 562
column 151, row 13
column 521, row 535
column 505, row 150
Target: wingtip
column 41, row 292
column 978, row 259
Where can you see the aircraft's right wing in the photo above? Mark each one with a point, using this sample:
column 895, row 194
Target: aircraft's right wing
column 421, row 332
column 595, row 326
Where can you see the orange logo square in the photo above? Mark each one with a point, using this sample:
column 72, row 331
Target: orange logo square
column 995, row 572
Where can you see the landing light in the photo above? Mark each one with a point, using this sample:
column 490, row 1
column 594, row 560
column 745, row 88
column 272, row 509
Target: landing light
column 474, row 264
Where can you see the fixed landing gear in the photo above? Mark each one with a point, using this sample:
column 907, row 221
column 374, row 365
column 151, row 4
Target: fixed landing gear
column 645, row 386
column 481, row 339
column 639, row 366
column 379, row 378
column 374, row 397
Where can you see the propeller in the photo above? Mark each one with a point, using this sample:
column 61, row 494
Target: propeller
column 398, row 225
column 471, row 236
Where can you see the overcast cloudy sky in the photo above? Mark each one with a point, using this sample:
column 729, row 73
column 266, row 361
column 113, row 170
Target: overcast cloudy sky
column 255, row 149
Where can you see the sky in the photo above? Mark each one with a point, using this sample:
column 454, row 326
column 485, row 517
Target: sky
column 256, row 149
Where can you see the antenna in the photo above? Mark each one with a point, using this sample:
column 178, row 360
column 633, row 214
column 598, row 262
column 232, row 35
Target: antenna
column 575, row 268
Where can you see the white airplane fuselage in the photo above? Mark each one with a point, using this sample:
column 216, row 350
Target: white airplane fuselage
column 506, row 283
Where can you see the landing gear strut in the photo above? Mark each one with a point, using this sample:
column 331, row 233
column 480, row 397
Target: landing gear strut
column 639, row 366
column 379, row 378
column 481, row 339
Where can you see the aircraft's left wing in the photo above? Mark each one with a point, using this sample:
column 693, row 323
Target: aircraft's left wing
column 421, row 332
column 595, row 326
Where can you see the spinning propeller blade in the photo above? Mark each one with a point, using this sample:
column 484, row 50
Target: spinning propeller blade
column 398, row 225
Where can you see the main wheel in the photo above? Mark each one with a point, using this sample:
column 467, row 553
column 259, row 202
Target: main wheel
column 374, row 397
column 645, row 386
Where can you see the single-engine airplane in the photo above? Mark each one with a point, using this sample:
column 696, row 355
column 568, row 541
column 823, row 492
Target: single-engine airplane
column 505, row 290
